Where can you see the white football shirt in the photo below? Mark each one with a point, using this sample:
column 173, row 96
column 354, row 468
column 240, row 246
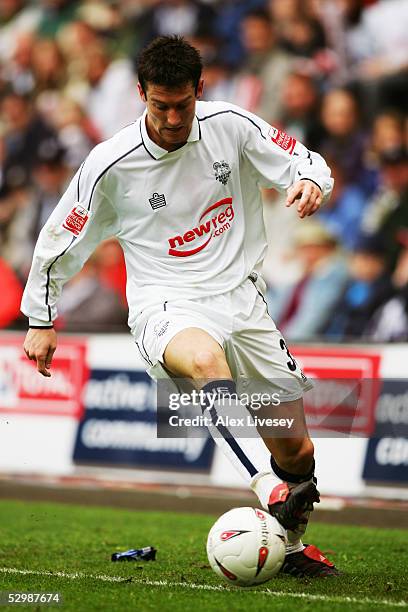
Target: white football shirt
column 189, row 221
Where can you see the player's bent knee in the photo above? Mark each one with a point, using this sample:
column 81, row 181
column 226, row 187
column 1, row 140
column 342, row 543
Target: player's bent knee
column 208, row 364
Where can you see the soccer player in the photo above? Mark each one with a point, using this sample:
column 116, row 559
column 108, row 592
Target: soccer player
column 180, row 189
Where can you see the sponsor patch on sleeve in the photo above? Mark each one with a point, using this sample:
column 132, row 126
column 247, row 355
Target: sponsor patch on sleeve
column 283, row 140
column 76, row 220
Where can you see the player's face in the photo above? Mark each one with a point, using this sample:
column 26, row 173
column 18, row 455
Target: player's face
column 170, row 113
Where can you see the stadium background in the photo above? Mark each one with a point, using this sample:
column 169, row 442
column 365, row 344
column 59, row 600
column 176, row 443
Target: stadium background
column 331, row 73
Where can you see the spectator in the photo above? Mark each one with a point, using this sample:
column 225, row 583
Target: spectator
column 55, row 15
column 18, row 72
column 24, row 132
column 387, row 213
column 369, row 287
column 385, row 26
column 265, row 61
column 48, row 66
column 51, row 175
column 183, row 17
column 25, row 212
column 390, row 322
column 300, row 118
column 343, row 215
column 15, row 247
column 109, row 20
column 301, row 32
column 73, row 39
column 16, row 17
column 299, row 309
column 387, row 133
column 303, row 36
column 345, row 140
column 75, row 132
column 342, row 24
column 112, row 101
column 283, row 12
column 230, row 14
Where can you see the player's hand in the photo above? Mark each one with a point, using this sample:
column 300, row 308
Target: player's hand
column 39, row 346
column 307, row 195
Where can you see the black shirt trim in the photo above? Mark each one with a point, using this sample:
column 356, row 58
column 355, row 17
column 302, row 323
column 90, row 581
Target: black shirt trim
column 234, row 113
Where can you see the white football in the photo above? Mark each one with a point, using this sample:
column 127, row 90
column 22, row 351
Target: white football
column 246, row 546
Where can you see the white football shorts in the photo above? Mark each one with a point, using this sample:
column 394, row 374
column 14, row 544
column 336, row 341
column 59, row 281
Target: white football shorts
column 256, row 352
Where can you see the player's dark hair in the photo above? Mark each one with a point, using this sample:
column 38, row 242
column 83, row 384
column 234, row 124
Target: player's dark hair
column 171, row 62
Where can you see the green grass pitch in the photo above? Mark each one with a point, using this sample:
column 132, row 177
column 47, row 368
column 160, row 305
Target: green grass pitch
column 74, row 543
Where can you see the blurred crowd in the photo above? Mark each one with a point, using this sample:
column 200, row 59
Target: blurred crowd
column 332, row 73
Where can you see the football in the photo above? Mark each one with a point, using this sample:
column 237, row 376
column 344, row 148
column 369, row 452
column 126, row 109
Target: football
column 246, row 546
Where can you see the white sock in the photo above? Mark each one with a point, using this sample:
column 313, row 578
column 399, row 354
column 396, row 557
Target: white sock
column 249, row 456
column 262, row 485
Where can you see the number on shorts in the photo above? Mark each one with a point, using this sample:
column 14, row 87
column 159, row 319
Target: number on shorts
column 292, row 363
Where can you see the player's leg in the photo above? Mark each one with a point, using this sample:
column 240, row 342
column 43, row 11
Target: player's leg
column 292, row 460
column 293, row 452
column 195, row 354
column 283, row 479
column 291, row 501
column 190, row 345
column 258, row 355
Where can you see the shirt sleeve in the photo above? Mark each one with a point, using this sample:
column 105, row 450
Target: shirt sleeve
column 82, row 219
column 278, row 159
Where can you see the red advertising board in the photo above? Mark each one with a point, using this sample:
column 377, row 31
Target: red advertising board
column 24, row 390
column 346, row 388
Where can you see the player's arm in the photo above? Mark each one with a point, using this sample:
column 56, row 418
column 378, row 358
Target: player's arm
column 285, row 164
column 83, row 218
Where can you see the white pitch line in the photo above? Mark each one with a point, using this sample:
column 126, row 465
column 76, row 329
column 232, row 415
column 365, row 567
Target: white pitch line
column 206, row 587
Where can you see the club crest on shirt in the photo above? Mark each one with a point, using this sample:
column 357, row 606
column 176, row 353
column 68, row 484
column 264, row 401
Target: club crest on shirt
column 222, row 171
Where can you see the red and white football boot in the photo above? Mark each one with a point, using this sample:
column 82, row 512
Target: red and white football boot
column 291, row 506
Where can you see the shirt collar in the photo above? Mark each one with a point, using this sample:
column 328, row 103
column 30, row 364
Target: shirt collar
column 153, row 149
